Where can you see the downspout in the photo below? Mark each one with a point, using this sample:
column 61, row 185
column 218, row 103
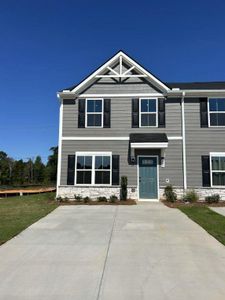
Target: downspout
column 183, row 142
column 59, row 147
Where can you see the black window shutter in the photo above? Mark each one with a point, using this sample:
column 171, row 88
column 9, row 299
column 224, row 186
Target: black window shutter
column 107, row 113
column 81, row 113
column 205, row 171
column 204, row 112
column 115, row 170
column 161, row 113
column 135, row 113
column 70, row 169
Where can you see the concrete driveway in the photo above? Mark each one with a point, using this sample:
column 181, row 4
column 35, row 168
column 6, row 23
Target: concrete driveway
column 146, row 251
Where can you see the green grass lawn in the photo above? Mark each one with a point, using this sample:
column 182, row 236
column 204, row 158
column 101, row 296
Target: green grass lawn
column 17, row 213
column 212, row 222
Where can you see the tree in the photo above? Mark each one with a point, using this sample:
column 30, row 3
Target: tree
column 6, row 166
column 18, row 172
column 51, row 167
column 39, row 170
column 4, row 174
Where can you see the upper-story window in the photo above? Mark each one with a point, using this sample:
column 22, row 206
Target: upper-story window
column 148, row 113
column 218, row 169
column 216, row 107
column 94, row 113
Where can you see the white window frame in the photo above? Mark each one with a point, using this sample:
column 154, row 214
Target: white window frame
column 211, row 155
column 153, row 113
column 93, row 154
column 94, row 113
column 210, row 112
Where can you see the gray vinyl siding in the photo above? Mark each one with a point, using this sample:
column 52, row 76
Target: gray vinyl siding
column 172, row 170
column 199, row 141
column 109, row 86
column 121, row 115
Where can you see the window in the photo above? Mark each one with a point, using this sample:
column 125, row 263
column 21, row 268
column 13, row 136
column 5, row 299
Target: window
column 217, row 169
column 148, row 113
column 102, row 169
column 94, row 113
column 84, row 169
column 216, row 107
column 93, row 168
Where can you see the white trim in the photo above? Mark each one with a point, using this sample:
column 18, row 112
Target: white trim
column 150, row 113
column 121, row 55
column 127, row 71
column 215, row 154
column 141, row 69
column 94, row 113
column 96, row 138
column 120, row 95
column 59, row 148
column 215, row 112
column 110, row 69
column 120, row 76
column 148, row 145
column 83, row 153
column 138, row 190
column 175, row 138
column 92, row 170
column 108, row 138
column 184, row 142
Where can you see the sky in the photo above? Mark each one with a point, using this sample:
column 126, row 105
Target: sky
column 46, row 46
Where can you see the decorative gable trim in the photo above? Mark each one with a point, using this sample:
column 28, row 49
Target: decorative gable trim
column 106, row 70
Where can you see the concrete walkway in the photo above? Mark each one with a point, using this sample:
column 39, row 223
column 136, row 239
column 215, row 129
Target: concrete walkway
column 106, row 252
column 219, row 210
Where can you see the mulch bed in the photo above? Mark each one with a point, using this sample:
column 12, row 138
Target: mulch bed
column 92, row 202
column 178, row 204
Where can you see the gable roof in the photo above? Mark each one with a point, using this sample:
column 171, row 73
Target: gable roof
column 106, row 66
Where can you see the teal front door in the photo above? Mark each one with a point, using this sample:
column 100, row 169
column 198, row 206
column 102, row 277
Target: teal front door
column 148, row 181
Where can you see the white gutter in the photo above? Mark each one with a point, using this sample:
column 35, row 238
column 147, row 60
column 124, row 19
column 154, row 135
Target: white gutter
column 59, row 148
column 184, row 142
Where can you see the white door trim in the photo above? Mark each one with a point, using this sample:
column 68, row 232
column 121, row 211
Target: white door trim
column 157, row 158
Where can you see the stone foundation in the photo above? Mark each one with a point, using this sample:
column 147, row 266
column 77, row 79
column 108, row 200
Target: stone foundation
column 94, row 192
column 202, row 192
column 100, row 191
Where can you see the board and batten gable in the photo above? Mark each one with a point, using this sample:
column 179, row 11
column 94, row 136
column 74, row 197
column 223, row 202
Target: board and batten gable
column 199, row 141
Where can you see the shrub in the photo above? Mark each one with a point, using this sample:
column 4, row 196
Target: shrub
column 87, row 199
column 78, row 198
column 123, row 184
column 191, row 196
column 169, row 193
column 113, row 198
column 215, row 198
column 102, row 199
column 66, row 199
column 59, row 198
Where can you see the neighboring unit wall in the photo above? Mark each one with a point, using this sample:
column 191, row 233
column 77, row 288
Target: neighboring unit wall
column 199, row 141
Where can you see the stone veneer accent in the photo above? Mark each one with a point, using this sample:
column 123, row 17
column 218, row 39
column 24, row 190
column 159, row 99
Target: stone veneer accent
column 99, row 191
column 202, row 192
column 94, row 192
